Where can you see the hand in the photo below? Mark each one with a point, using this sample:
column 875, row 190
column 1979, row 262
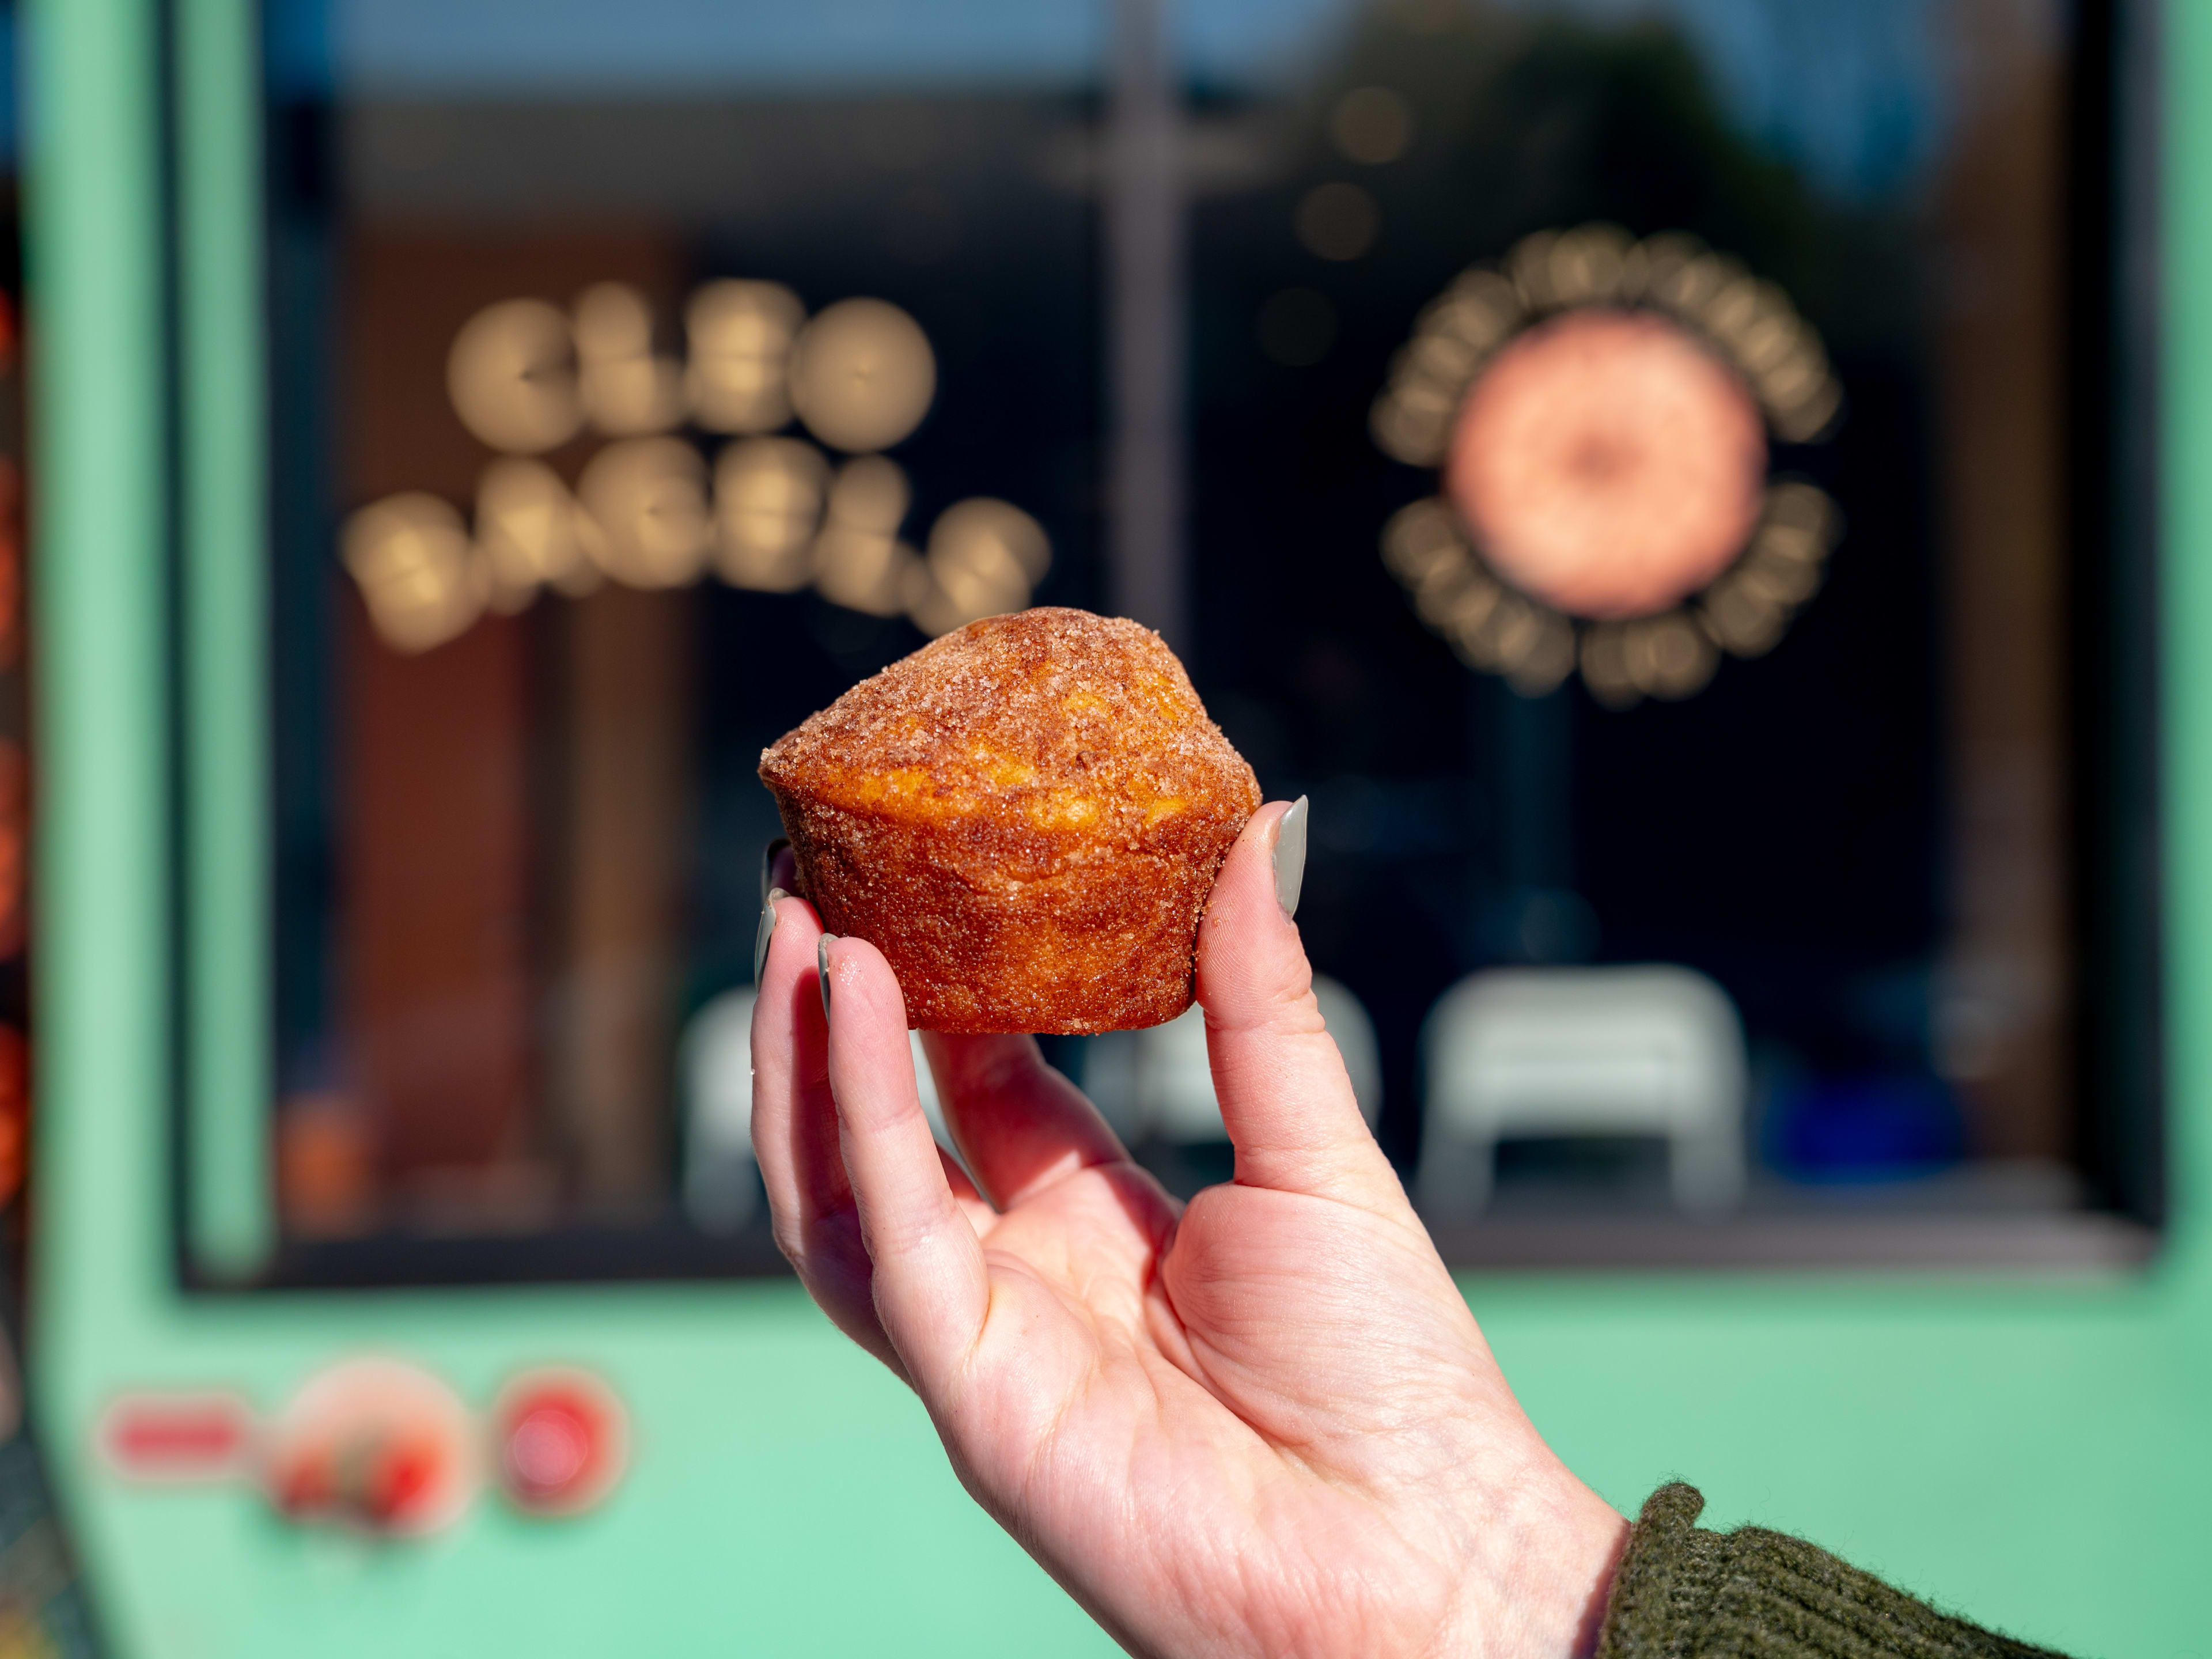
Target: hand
column 1265, row 1424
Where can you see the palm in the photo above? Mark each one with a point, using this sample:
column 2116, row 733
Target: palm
column 1266, row 1424
column 1117, row 1377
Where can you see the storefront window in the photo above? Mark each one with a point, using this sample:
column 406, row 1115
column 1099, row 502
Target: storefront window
column 1639, row 468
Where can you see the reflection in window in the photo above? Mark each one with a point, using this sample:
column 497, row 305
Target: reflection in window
column 644, row 381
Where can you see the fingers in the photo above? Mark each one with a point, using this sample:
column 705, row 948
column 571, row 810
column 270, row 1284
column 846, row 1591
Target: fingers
column 1285, row 1096
column 818, row 1223
column 796, row 1139
column 1019, row 1124
column 930, row 1287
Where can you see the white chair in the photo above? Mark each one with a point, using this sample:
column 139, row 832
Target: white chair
column 1583, row 1051
column 715, row 1073
column 714, row 1079
column 1158, row 1081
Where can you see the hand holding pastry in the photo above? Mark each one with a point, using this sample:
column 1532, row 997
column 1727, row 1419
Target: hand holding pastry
column 1264, row 1424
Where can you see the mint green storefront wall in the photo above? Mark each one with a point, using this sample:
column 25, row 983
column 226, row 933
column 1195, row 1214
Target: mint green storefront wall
column 2030, row 1451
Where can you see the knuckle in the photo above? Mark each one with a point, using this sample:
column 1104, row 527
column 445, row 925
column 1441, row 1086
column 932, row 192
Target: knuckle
column 894, row 1238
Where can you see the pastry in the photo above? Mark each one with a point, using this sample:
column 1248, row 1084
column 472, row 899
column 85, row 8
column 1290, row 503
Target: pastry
column 1025, row 817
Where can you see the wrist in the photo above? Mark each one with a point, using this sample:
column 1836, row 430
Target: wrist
column 1551, row 1555
column 1584, row 1569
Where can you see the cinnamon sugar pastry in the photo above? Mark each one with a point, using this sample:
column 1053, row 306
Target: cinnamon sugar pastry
column 1025, row 817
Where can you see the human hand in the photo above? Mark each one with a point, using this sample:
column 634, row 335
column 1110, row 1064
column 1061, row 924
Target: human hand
column 1263, row 1423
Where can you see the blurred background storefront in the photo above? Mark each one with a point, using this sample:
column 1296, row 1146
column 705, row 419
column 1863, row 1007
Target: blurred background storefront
column 529, row 411
column 567, row 524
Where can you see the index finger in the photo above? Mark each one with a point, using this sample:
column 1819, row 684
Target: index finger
column 929, row 1283
column 794, row 1130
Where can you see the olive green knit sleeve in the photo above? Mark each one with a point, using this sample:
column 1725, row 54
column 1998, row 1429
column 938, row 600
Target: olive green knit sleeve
column 1684, row 1593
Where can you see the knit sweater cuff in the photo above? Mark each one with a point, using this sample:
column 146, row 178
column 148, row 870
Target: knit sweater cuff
column 1684, row 1593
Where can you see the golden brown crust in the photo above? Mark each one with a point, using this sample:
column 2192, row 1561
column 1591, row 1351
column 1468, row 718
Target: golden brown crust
column 1025, row 817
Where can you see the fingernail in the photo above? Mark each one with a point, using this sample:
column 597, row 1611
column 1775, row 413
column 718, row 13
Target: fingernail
column 1290, row 856
column 768, row 866
column 821, row 971
column 767, row 931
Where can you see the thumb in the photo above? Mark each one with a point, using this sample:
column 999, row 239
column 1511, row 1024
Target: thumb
column 1284, row 1096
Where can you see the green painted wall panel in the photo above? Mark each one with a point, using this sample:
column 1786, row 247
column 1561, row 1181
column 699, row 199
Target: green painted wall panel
column 224, row 608
column 2032, row 1454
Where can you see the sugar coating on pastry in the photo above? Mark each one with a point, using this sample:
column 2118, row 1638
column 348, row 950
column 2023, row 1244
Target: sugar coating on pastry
column 1025, row 817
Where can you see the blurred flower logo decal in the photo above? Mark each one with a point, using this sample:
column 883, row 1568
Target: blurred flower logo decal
column 1601, row 412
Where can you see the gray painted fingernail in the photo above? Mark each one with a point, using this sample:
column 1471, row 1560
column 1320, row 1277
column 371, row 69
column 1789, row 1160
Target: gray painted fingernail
column 767, row 930
column 1290, row 856
column 821, row 971
column 768, row 866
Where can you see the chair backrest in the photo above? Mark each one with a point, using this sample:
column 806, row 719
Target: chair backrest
column 1652, row 1050
column 714, row 1075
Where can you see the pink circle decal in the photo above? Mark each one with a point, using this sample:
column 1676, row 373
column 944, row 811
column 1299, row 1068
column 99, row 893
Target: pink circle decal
column 1607, row 464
